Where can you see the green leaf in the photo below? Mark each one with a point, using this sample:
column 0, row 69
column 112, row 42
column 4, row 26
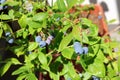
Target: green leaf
column 61, row 5
column 4, row 17
column 34, row 24
column 68, row 52
column 116, row 78
column 21, row 77
column 71, row 3
column 97, row 68
column 93, row 30
column 65, row 41
column 54, row 76
column 18, row 50
column 21, row 70
column 5, row 68
column 23, row 21
column 25, row 34
column 40, row 16
column 77, row 33
column 32, row 56
column 11, row 13
column 110, row 71
column 15, row 61
column 12, row 3
column 42, row 58
column 118, row 63
column 31, row 76
column 72, row 71
column 32, row 46
column 32, row 30
column 1, row 32
column 85, row 37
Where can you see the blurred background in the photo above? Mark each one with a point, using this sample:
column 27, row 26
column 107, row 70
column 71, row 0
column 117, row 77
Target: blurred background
column 112, row 13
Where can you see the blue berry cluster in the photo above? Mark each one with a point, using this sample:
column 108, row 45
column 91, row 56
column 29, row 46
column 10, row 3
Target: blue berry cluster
column 38, row 39
column 79, row 49
column 95, row 78
column 9, row 39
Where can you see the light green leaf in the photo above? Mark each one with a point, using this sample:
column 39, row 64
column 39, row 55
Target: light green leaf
column 21, row 76
column 4, row 17
column 25, row 34
column 21, row 70
column 110, row 71
column 85, row 37
column 77, row 33
column 32, row 46
column 23, row 21
column 32, row 56
column 71, row 3
column 42, row 58
column 18, row 50
column 118, row 63
column 68, row 52
column 34, row 24
column 61, row 5
column 15, row 61
column 40, row 16
column 32, row 30
column 12, row 3
column 116, row 78
column 11, row 13
column 54, row 76
column 5, row 68
column 1, row 32
column 65, row 41
column 31, row 76
column 97, row 68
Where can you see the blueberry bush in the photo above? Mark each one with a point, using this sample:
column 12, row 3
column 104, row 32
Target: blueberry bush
column 52, row 41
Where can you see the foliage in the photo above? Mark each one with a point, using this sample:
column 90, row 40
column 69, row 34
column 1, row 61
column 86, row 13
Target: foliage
column 38, row 19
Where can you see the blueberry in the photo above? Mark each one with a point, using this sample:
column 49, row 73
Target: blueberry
column 48, row 41
column 78, row 48
column 85, row 50
column 38, row 39
column 50, row 37
column 11, row 40
column 7, row 33
column 95, row 78
column 42, row 44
